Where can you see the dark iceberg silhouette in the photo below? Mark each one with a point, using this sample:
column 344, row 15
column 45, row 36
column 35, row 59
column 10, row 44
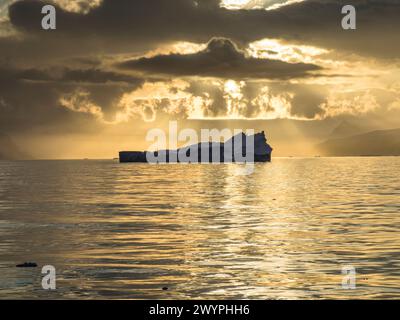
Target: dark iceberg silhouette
column 208, row 152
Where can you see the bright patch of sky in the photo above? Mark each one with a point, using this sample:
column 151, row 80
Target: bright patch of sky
column 257, row 4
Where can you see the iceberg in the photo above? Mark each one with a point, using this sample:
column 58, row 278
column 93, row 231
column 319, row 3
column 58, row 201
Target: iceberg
column 239, row 148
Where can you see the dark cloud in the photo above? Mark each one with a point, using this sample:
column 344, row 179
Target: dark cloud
column 87, row 76
column 222, row 59
column 98, row 76
column 30, row 99
column 31, row 106
column 140, row 24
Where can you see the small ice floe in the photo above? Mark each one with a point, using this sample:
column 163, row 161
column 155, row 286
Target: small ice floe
column 27, row 265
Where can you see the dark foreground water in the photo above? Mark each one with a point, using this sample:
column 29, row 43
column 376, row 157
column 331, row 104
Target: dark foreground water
column 203, row 231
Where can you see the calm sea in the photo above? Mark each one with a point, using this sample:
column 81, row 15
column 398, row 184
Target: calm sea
column 204, row 231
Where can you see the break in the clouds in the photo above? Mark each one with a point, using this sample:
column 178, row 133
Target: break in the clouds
column 257, row 4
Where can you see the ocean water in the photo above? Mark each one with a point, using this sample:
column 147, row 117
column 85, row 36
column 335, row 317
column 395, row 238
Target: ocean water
column 204, row 231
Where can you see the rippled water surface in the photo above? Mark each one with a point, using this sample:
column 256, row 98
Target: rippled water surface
column 204, row 231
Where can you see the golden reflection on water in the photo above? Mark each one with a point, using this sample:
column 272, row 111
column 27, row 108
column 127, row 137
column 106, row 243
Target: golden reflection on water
column 204, row 231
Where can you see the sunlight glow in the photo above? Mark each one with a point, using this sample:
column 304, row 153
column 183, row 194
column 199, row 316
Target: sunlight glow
column 257, row 4
column 237, row 4
column 278, row 50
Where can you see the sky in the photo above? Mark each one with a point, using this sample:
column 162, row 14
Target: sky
column 113, row 69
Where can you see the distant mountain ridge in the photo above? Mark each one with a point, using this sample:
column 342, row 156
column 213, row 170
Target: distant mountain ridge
column 374, row 143
column 345, row 129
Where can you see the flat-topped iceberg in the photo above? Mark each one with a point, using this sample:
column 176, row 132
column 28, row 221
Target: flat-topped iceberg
column 239, row 148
